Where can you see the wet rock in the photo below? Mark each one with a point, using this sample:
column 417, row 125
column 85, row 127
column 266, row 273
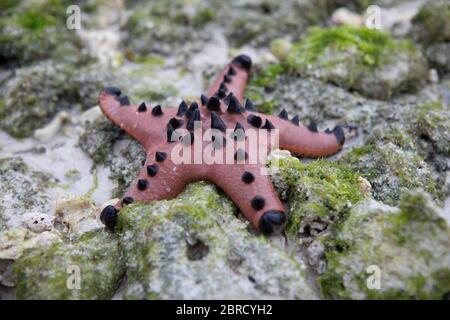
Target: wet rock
column 77, row 214
column 15, row 241
column 33, row 31
column 38, row 222
column 432, row 23
column 390, row 253
column 368, row 61
column 431, row 28
column 391, row 170
column 163, row 27
column 194, row 247
column 98, row 138
column 89, row 267
column 36, row 94
column 319, row 193
column 21, row 191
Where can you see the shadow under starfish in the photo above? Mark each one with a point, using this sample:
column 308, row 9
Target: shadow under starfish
column 165, row 131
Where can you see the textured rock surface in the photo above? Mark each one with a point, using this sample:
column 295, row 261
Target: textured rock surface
column 368, row 61
column 194, row 247
column 432, row 29
column 22, row 190
column 319, row 193
column 35, row 95
column 49, row 272
column 409, row 246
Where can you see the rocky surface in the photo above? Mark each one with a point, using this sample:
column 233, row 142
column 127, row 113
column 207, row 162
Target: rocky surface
column 381, row 207
column 195, row 246
column 409, row 246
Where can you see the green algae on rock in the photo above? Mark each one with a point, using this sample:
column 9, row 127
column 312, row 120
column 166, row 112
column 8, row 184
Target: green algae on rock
column 36, row 94
column 431, row 122
column 431, row 27
column 408, row 246
column 22, row 190
column 97, row 141
column 368, row 61
column 319, row 193
column 194, row 247
column 432, row 23
column 48, row 273
column 391, row 170
column 164, row 27
column 32, row 31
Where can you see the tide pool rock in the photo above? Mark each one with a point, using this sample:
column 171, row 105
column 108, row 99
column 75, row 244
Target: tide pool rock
column 194, row 247
column 21, row 191
column 368, row 61
column 391, row 170
column 382, row 252
column 51, row 272
column 319, row 193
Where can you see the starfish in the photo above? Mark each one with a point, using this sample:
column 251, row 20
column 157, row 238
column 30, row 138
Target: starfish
column 162, row 130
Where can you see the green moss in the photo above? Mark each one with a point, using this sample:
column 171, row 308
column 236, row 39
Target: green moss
column 431, row 121
column 44, row 273
column 359, row 58
column 432, row 23
column 391, row 168
column 194, row 247
column 34, row 20
column 371, row 44
column 35, row 31
column 8, row 4
column 36, row 94
column 147, row 60
column 413, row 239
column 267, row 77
column 317, row 190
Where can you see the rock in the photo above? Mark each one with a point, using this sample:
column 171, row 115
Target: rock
column 432, row 23
column 319, row 194
column 391, row 170
column 35, row 31
column 22, row 190
column 431, row 122
column 368, row 61
column 439, row 56
column 89, row 267
column 36, row 94
column 343, row 16
column 390, row 253
column 77, row 214
column 431, row 27
column 193, row 247
column 38, row 222
column 280, row 48
column 98, row 138
column 163, row 28
column 15, row 241
column 49, row 131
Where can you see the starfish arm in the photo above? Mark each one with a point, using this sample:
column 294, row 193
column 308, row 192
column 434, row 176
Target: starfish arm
column 253, row 193
column 305, row 142
column 142, row 122
column 233, row 78
column 159, row 179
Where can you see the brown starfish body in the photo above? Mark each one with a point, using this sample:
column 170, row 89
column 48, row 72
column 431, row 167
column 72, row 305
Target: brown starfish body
column 167, row 132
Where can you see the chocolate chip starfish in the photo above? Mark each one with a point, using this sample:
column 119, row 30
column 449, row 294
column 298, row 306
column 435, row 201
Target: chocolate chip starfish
column 161, row 130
